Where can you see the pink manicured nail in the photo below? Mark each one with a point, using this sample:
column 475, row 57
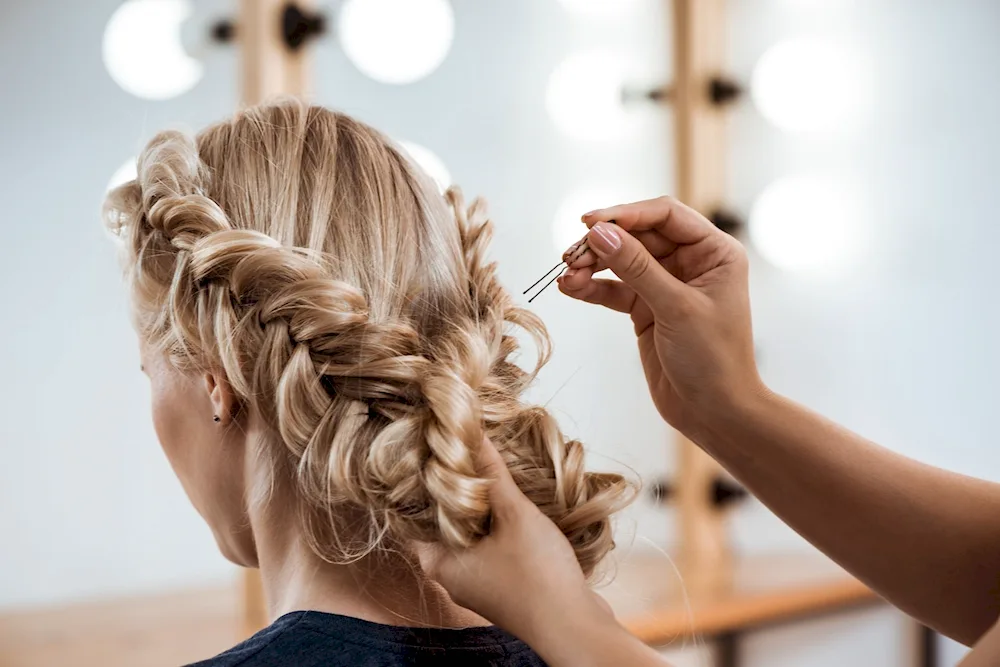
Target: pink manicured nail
column 573, row 248
column 604, row 238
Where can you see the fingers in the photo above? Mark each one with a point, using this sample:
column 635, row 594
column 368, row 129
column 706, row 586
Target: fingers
column 572, row 253
column 675, row 221
column 612, row 294
column 504, row 494
column 629, row 259
column 658, row 245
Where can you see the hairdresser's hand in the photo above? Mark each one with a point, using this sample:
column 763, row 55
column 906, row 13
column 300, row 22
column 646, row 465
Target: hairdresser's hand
column 684, row 282
column 524, row 577
column 524, row 573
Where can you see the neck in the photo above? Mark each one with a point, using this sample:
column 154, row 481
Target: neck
column 388, row 588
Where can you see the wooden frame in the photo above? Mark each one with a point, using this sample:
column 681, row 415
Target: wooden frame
column 268, row 68
column 699, row 36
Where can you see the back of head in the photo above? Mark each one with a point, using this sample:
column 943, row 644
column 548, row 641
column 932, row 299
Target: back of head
column 350, row 307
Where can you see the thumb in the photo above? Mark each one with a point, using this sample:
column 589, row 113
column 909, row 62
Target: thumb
column 505, row 496
column 631, row 261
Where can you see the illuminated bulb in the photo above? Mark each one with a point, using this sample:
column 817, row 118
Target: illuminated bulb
column 805, row 224
column 396, row 41
column 567, row 228
column 599, row 8
column 429, row 162
column 584, row 96
column 143, row 52
column 124, row 174
column 806, row 84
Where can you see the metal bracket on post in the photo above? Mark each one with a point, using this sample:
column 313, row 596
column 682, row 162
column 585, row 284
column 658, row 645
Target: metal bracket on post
column 720, row 92
column 727, row 221
column 723, row 494
column 299, row 26
column 271, row 35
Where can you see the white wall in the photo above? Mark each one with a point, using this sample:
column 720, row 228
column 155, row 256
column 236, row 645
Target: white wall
column 88, row 504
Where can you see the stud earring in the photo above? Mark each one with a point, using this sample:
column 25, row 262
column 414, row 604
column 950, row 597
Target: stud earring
column 216, row 418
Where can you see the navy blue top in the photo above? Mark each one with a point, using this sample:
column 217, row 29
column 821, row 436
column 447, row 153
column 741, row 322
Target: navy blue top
column 318, row 639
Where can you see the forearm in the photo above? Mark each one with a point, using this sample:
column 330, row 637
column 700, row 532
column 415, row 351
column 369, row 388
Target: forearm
column 589, row 640
column 926, row 539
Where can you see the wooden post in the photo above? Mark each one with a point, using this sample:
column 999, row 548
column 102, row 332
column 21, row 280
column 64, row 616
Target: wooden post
column 255, row 616
column 268, row 68
column 699, row 34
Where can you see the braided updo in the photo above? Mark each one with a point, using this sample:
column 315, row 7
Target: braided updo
column 350, row 307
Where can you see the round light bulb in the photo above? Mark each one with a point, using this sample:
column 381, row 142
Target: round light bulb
column 124, row 174
column 808, row 84
column 584, row 96
column 805, row 224
column 599, row 8
column 143, row 52
column 396, row 41
column 427, row 160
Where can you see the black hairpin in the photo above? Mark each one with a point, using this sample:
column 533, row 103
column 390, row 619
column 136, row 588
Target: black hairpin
column 581, row 248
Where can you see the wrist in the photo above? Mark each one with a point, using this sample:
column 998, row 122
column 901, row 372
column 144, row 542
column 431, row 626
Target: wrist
column 548, row 625
column 727, row 417
column 585, row 636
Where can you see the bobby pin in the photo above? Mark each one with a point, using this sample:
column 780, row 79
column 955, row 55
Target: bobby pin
column 581, row 248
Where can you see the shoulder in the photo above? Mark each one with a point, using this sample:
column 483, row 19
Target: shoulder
column 314, row 639
column 270, row 646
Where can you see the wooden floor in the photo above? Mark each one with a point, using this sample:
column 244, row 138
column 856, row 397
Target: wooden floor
column 648, row 598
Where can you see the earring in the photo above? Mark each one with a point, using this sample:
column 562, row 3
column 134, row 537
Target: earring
column 216, row 418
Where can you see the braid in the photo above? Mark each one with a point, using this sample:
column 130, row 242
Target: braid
column 374, row 409
column 326, row 361
column 550, row 470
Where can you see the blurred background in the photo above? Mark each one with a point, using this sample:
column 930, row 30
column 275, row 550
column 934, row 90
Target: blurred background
column 861, row 151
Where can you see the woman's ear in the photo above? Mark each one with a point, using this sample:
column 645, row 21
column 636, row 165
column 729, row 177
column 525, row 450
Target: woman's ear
column 223, row 399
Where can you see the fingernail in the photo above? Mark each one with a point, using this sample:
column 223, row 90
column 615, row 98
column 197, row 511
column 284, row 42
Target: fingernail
column 590, row 213
column 570, row 250
column 604, row 238
column 570, row 273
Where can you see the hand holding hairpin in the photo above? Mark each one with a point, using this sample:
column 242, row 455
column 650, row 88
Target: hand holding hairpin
column 575, row 252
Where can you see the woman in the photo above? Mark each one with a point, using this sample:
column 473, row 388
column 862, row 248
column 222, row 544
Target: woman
column 326, row 348
column 925, row 539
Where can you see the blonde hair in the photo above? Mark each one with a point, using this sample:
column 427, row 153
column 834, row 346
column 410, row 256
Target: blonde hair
column 349, row 305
